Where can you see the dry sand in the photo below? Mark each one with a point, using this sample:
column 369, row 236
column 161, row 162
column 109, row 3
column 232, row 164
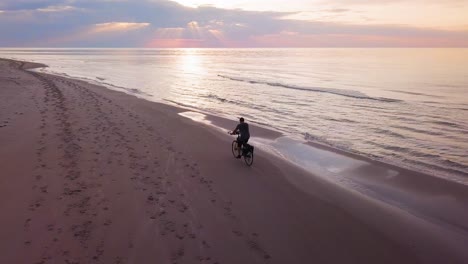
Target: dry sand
column 90, row 175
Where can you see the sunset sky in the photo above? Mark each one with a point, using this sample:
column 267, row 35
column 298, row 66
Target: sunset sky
column 235, row 23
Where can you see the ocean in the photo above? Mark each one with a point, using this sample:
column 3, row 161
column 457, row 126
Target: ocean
column 407, row 107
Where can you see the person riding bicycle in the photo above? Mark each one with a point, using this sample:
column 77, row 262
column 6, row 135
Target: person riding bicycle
column 243, row 129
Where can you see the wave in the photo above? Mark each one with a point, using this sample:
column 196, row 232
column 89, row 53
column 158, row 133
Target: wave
column 388, row 132
column 221, row 99
column 334, row 91
column 324, row 141
column 99, row 81
column 341, row 120
column 449, row 124
column 446, row 166
column 414, row 93
column 403, row 152
column 415, row 130
column 404, row 157
column 188, row 106
column 244, row 103
column 368, row 106
column 128, row 90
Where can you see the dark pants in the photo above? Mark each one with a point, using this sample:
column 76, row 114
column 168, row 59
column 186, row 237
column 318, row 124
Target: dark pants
column 242, row 141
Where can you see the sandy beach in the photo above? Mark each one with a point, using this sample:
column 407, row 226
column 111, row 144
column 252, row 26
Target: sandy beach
column 91, row 175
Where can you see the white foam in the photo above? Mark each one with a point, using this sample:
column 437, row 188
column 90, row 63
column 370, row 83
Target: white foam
column 315, row 159
column 195, row 116
column 200, row 118
column 320, row 162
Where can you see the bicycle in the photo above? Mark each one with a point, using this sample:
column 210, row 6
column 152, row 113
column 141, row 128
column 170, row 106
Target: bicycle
column 247, row 151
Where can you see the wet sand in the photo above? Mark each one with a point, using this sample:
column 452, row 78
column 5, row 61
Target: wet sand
column 90, row 175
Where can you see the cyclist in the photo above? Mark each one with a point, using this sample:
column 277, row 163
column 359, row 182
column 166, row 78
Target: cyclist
column 243, row 129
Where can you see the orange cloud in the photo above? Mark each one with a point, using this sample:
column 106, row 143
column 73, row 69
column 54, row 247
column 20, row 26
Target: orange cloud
column 193, row 35
column 101, row 30
column 117, row 27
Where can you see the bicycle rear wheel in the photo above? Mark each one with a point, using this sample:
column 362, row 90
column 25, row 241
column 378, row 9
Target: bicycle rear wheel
column 235, row 149
column 248, row 158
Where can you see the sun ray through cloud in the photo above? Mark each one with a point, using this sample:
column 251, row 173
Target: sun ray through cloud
column 236, row 23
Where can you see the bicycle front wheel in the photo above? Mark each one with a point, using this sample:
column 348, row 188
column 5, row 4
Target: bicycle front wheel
column 235, row 149
column 248, row 158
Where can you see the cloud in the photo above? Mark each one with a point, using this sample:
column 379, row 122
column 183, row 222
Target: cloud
column 385, row 2
column 117, row 27
column 56, row 9
column 161, row 23
column 12, row 5
column 338, row 10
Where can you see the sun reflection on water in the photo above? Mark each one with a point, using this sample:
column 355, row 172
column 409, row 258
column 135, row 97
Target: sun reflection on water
column 190, row 62
column 192, row 71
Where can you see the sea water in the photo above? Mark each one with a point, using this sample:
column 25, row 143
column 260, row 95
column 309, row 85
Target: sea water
column 407, row 107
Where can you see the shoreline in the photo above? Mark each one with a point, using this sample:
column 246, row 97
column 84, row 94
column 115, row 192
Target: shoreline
column 172, row 193
column 267, row 133
column 454, row 176
column 387, row 183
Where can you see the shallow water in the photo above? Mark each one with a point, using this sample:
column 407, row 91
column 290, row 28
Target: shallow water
column 407, row 107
